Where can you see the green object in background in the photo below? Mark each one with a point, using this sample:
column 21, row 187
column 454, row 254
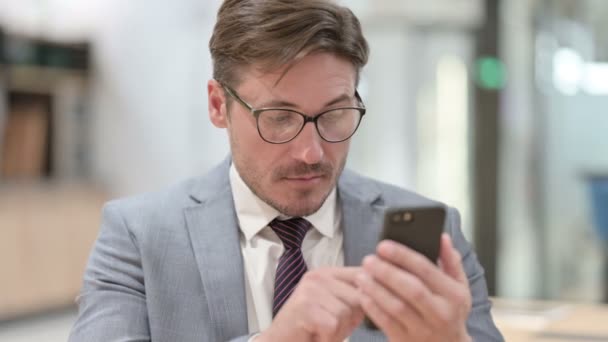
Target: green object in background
column 490, row 73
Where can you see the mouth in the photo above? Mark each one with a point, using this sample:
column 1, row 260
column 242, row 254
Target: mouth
column 306, row 176
column 305, row 179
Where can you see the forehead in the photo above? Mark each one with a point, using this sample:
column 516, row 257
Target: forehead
column 313, row 78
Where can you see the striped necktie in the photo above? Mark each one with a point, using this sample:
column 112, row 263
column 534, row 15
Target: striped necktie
column 291, row 264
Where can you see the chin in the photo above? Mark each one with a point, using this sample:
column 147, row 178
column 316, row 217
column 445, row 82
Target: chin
column 297, row 202
column 299, row 211
column 301, row 207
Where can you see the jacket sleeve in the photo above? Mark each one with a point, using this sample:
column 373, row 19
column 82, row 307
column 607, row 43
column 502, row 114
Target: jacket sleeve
column 112, row 302
column 480, row 324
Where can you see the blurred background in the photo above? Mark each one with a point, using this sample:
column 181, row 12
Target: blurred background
column 495, row 107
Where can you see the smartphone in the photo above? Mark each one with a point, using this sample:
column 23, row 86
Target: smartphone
column 418, row 228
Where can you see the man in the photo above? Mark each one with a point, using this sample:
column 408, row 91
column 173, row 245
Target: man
column 278, row 243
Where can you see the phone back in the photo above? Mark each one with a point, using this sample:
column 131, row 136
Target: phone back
column 418, row 228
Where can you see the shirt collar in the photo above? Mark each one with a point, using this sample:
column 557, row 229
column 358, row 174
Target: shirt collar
column 254, row 214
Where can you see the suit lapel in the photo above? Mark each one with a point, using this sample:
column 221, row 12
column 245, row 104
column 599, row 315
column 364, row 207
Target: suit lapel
column 362, row 211
column 360, row 223
column 214, row 234
column 361, row 217
column 212, row 226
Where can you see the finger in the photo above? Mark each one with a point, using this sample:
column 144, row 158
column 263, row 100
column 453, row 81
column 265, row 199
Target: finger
column 339, row 298
column 346, row 274
column 451, row 261
column 334, row 295
column 407, row 287
column 382, row 320
column 357, row 317
column 344, row 320
column 339, row 281
column 398, row 310
column 327, row 315
column 349, row 294
column 324, row 325
column 418, row 265
column 344, row 291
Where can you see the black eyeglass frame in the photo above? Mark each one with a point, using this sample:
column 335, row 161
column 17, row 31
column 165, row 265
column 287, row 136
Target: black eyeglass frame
column 314, row 119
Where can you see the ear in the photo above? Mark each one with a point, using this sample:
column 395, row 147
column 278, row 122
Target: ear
column 217, row 104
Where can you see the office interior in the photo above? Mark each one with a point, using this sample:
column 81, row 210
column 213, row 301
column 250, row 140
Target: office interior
column 496, row 107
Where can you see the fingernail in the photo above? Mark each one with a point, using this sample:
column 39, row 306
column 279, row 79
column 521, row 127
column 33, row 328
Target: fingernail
column 368, row 260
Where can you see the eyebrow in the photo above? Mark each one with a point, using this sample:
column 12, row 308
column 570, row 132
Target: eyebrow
column 280, row 103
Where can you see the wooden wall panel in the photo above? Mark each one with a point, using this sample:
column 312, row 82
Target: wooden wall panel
column 46, row 233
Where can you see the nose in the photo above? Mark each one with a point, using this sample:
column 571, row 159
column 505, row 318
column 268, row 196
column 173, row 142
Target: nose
column 308, row 145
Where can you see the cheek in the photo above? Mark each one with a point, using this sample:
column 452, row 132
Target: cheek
column 244, row 137
column 337, row 152
column 258, row 158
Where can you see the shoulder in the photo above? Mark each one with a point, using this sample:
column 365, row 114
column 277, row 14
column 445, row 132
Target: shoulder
column 386, row 194
column 152, row 211
column 167, row 204
column 175, row 195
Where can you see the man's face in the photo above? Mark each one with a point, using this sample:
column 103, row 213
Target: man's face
column 295, row 177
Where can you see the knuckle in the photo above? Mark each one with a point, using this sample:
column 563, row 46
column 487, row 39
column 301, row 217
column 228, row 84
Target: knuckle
column 328, row 326
column 423, row 334
column 398, row 308
column 313, row 278
column 298, row 299
column 463, row 298
column 310, row 276
column 382, row 320
column 304, row 286
column 345, row 312
column 425, row 272
column 304, row 293
column 444, row 317
column 417, row 293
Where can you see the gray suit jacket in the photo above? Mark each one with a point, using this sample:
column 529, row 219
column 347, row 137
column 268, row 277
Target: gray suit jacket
column 168, row 266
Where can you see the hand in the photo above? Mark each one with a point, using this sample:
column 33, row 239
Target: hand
column 324, row 307
column 411, row 299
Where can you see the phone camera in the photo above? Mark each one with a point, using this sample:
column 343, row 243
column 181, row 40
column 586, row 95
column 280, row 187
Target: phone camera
column 408, row 217
column 396, row 218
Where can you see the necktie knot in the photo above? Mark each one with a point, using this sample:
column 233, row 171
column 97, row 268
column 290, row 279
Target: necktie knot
column 291, row 232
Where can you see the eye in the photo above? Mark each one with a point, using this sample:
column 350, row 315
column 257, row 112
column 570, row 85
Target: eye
column 334, row 115
column 283, row 116
column 280, row 117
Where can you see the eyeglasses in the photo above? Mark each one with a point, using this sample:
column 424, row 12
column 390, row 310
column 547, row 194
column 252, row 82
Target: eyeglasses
column 280, row 125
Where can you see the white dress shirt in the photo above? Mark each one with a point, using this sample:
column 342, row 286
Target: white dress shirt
column 262, row 248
